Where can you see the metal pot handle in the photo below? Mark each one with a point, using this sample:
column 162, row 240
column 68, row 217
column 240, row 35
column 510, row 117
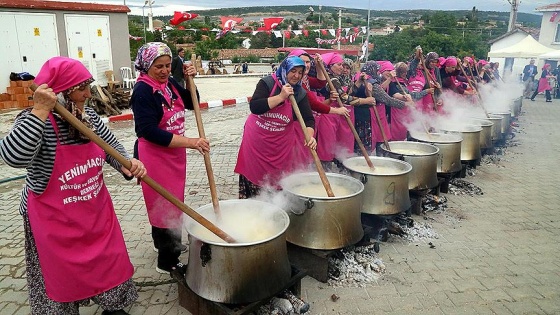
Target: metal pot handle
column 205, row 254
column 363, row 178
column 308, row 205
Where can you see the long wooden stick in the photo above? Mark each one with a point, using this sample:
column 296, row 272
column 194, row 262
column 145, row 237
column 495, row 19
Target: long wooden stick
column 72, row 120
column 316, row 160
column 202, row 134
column 348, row 120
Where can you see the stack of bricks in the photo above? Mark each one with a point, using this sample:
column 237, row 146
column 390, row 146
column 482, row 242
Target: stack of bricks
column 18, row 95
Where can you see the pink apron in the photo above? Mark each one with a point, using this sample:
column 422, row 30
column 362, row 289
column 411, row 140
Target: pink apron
column 416, row 84
column 269, row 145
column 168, row 167
column 544, row 85
column 79, row 240
column 376, row 135
column 399, row 118
column 344, row 136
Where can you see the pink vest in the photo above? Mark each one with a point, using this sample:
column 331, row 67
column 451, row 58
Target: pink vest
column 168, row 167
column 269, row 145
column 79, row 240
column 399, row 118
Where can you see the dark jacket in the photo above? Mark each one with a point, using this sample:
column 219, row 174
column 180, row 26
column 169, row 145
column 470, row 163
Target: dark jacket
column 177, row 69
column 526, row 71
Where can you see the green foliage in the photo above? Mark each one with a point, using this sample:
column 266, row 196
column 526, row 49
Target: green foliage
column 248, row 59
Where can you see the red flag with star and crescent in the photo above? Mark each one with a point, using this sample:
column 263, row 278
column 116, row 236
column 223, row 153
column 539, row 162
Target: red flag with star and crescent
column 179, row 17
column 271, row 23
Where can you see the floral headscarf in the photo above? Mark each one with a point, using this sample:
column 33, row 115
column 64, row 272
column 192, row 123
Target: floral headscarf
column 371, row 68
column 286, row 66
column 431, row 56
column 65, row 75
column 149, row 52
column 346, row 80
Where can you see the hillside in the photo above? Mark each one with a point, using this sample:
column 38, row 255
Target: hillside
column 404, row 16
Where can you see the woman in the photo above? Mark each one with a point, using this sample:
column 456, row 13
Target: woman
column 74, row 248
column 269, row 147
column 543, row 84
column 318, row 103
column 418, row 81
column 158, row 103
column 401, row 117
column 450, row 77
column 366, row 123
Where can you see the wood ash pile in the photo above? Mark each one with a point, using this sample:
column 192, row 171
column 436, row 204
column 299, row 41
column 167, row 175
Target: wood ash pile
column 285, row 303
column 418, row 232
column 459, row 186
column 355, row 266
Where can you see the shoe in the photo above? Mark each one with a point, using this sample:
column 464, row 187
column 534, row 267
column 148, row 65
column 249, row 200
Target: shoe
column 117, row 312
column 179, row 268
column 182, row 247
column 532, row 99
column 549, row 101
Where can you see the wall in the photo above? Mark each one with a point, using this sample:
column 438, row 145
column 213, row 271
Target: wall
column 548, row 31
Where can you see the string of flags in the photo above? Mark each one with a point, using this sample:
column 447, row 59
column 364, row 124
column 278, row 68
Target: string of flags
column 228, row 24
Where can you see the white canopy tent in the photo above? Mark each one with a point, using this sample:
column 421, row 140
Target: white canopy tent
column 514, row 58
column 553, row 55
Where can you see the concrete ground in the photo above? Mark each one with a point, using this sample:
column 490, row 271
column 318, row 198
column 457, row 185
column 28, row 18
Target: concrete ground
column 495, row 253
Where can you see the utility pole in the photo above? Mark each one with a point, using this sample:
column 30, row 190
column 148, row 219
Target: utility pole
column 339, row 26
column 150, row 16
column 367, row 30
column 513, row 14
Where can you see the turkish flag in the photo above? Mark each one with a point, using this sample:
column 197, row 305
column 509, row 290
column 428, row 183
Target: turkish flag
column 287, row 34
column 272, row 23
column 356, row 30
column 228, row 22
column 179, row 17
column 325, row 32
column 181, row 27
column 305, row 33
column 553, row 17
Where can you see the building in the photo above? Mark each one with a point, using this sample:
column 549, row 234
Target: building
column 33, row 31
column 550, row 26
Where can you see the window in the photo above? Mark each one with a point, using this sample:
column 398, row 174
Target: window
column 557, row 36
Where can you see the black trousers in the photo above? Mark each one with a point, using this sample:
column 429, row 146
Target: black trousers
column 168, row 242
column 546, row 93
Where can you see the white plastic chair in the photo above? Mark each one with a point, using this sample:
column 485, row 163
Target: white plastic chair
column 128, row 79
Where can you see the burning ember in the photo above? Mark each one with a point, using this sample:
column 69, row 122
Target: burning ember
column 462, row 187
column 434, row 203
column 355, row 266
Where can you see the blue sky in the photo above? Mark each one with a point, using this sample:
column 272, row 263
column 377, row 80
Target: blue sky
column 166, row 7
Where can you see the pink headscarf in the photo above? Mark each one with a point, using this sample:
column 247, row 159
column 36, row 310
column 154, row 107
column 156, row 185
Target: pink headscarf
column 546, row 66
column 385, row 65
column 469, row 60
column 450, row 62
column 482, row 62
column 62, row 74
column 331, row 58
column 358, row 75
column 298, row 52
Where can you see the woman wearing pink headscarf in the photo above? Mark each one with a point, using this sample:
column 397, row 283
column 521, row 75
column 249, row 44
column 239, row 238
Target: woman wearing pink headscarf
column 270, row 147
column 158, row 103
column 544, row 86
column 451, row 77
column 74, row 248
column 418, row 80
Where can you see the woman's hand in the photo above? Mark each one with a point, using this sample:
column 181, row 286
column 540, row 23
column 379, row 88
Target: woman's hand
column 368, row 101
column 44, row 100
column 200, row 144
column 430, row 90
column 189, row 70
column 342, row 111
column 312, row 143
column 287, row 90
column 137, row 169
column 334, row 96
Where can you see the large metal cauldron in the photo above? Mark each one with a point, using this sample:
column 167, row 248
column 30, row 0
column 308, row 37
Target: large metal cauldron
column 423, row 158
column 486, row 133
column 506, row 117
column 470, row 147
column 516, row 106
column 386, row 187
column 496, row 127
column 321, row 222
column 449, row 145
column 242, row 272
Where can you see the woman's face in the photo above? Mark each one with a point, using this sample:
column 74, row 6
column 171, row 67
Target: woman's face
column 160, row 69
column 80, row 95
column 450, row 69
column 337, row 68
column 433, row 64
column 307, row 61
column 346, row 69
column 295, row 75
